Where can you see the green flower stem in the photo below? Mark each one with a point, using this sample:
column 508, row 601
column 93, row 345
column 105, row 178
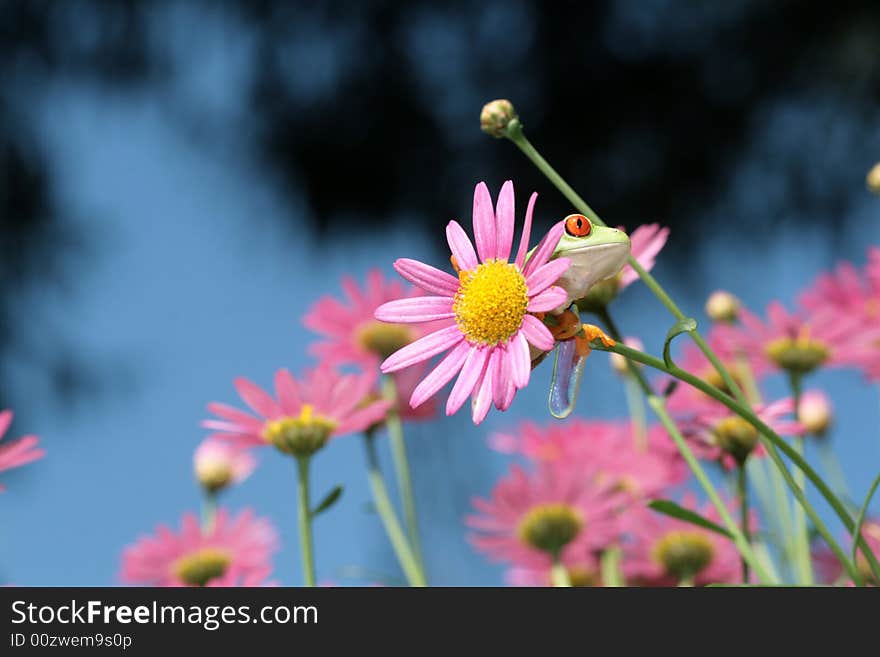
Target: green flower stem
column 609, row 565
column 801, row 537
column 209, row 510
column 408, row 562
column 742, row 489
column 636, row 412
column 831, row 468
column 305, row 522
column 559, row 575
column 402, row 470
column 773, row 444
column 658, row 405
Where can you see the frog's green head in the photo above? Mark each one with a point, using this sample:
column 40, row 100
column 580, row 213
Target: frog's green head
column 596, row 253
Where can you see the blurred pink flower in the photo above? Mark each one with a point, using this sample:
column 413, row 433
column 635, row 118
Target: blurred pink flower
column 323, row 399
column 219, row 463
column 706, row 431
column 805, row 340
column 234, row 550
column 855, row 298
column 487, row 308
column 660, row 550
column 646, row 243
column 353, row 336
column 607, row 451
column 18, row 452
column 555, row 508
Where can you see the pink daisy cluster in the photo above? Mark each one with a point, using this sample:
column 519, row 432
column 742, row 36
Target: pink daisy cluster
column 487, row 325
column 18, row 452
column 586, row 492
column 236, row 550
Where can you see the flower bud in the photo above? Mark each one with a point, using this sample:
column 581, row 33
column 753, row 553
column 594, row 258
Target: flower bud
column 815, row 413
column 496, row 116
column 618, row 362
column 722, row 306
column 873, row 179
column 218, row 464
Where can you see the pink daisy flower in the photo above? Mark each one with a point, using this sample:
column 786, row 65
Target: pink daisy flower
column 219, row 463
column 723, row 436
column 18, row 452
column 646, row 243
column 490, row 302
column 555, row 510
column 801, row 342
column 608, row 452
column 662, row 551
column 304, row 414
column 234, row 549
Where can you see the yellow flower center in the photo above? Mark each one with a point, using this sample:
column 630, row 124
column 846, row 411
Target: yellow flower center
column 801, row 354
column 582, row 577
column 736, row 437
column 683, row 554
column 214, row 475
column 550, row 527
column 491, row 302
column 737, row 373
column 383, row 339
column 301, row 436
column 199, row 568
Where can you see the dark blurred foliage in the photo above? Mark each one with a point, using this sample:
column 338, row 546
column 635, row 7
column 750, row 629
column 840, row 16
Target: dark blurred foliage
column 371, row 109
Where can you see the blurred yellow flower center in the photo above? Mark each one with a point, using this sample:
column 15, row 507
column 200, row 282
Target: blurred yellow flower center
column 383, row 339
column 550, row 527
column 736, row 437
column 582, row 577
column 199, row 568
column 491, row 302
column 683, row 554
column 301, row 436
column 737, row 373
column 801, row 354
column 214, row 474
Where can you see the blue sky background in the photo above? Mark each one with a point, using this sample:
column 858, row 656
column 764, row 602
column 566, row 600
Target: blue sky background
column 189, row 279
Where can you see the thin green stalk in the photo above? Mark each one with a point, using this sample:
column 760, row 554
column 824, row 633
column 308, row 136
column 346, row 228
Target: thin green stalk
column 609, row 566
column 305, row 522
column 408, row 562
column 831, row 468
column 772, row 443
column 559, row 575
column 801, row 530
column 209, row 510
column 631, row 387
column 742, row 490
column 402, row 470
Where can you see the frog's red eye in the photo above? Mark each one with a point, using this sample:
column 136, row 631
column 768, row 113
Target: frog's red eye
column 577, row 225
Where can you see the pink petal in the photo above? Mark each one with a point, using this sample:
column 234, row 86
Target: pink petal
column 440, row 375
column 288, row 392
column 536, row 333
column 233, row 414
column 501, row 376
column 544, row 277
column 504, row 220
column 551, row 298
column 461, row 246
column 423, row 349
column 5, row 421
column 257, row 398
column 415, row 310
column 545, row 249
column 429, row 278
column 363, row 418
column 484, row 223
column 520, row 360
column 526, row 233
column 481, row 401
column 467, row 379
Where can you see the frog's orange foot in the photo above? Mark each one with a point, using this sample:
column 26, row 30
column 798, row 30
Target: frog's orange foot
column 567, row 326
column 589, row 333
